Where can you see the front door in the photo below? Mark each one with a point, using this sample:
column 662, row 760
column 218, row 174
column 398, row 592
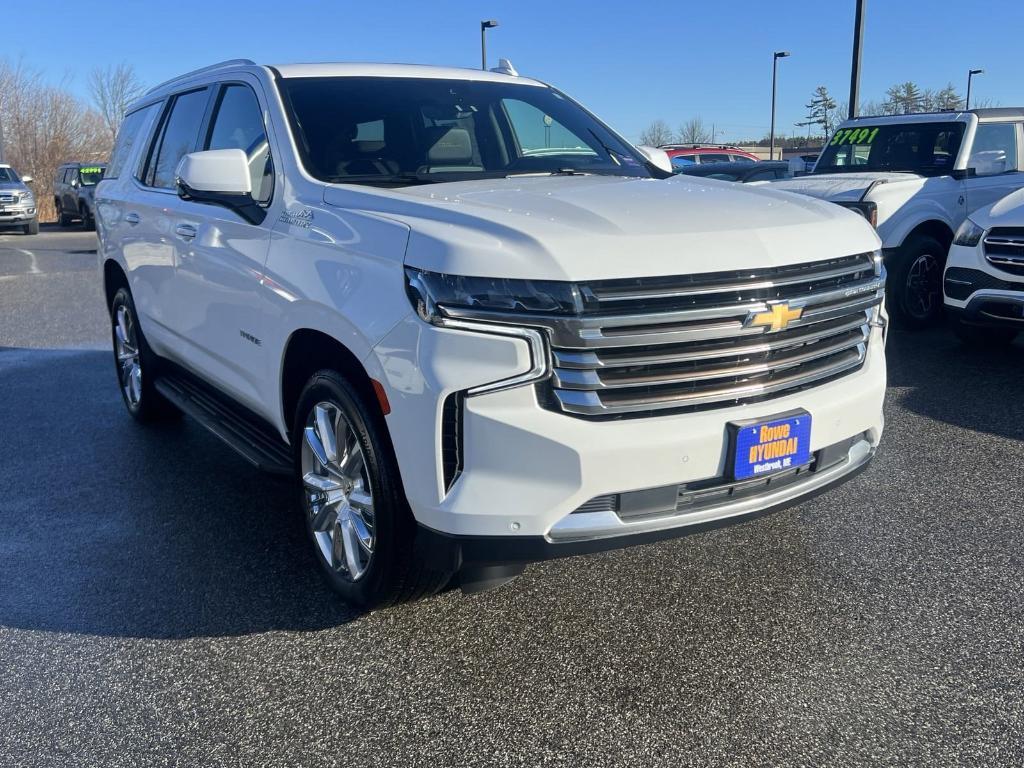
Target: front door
column 221, row 256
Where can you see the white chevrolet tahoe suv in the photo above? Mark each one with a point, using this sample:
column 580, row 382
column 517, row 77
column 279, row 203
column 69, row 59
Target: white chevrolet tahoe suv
column 916, row 178
column 984, row 280
column 476, row 326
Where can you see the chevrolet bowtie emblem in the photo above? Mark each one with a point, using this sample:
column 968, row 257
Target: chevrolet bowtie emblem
column 776, row 318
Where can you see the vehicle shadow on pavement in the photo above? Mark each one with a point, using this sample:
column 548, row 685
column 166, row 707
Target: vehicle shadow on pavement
column 937, row 376
column 109, row 527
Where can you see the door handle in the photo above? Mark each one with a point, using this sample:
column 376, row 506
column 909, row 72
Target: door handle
column 185, row 231
column 132, row 218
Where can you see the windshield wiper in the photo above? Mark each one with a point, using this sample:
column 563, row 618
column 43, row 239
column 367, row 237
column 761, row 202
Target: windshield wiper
column 383, row 178
column 559, row 172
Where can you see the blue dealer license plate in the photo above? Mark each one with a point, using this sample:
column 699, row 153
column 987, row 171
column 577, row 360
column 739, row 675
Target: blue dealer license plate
column 774, row 445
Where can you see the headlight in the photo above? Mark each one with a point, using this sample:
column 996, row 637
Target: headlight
column 482, row 303
column 489, row 295
column 969, row 234
column 867, row 209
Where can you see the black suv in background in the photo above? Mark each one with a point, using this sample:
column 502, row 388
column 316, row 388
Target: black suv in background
column 73, row 187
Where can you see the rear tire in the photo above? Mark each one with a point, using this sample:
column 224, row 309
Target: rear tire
column 356, row 514
column 982, row 336
column 135, row 363
column 914, row 288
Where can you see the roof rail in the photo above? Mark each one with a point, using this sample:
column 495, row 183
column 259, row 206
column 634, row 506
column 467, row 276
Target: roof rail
column 201, row 70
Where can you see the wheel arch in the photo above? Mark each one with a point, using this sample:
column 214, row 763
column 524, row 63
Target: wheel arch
column 307, row 351
column 936, row 228
column 114, row 277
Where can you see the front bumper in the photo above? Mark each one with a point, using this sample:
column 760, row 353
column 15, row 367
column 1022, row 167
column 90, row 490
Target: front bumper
column 527, row 473
column 17, row 215
column 453, row 552
column 979, row 293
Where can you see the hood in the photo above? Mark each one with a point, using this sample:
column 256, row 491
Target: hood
column 841, row 186
column 1006, row 212
column 13, row 186
column 598, row 227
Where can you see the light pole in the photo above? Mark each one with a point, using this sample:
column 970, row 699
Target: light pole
column 970, row 74
column 858, row 43
column 775, row 67
column 484, row 26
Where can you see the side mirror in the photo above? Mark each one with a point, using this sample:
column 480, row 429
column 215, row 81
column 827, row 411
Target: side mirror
column 988, row 163
column 27, row 179
column 219, row 177
column 657, row 157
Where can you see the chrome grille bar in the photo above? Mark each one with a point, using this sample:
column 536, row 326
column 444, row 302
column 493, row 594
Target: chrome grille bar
column 669, row 344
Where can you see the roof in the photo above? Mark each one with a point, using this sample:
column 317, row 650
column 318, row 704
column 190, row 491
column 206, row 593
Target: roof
column 79, row 164
column 930, row 117
column 395, row 70
column 350, row 69
column 739, row 169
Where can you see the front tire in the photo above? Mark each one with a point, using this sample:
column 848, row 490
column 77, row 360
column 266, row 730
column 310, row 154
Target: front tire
column 135, row 363
column 63, row 219
column 88, row 222
column 914, row 290
column 356, row 513
column 32, row 228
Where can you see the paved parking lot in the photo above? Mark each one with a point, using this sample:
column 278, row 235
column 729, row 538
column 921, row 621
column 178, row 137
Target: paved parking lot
column 158, row 605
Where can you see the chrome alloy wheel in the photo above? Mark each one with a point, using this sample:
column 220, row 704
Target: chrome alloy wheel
column 339, row 503
column 923, row 285
column 126, row 347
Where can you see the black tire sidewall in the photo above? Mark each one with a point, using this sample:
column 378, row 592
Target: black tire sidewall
column 392, row 518
column 151, row 405
column 898, row 293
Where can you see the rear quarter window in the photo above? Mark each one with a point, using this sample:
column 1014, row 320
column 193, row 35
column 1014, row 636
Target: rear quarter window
column 127, row 137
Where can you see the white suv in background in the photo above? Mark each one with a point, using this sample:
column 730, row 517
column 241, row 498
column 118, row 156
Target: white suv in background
column 477, row 326
column 984, row 281
column 916, row 178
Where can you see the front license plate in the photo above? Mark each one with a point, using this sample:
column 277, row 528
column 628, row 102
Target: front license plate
column 772, row 445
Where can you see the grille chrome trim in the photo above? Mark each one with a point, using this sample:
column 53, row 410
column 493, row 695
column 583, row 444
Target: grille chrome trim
column 589, row 403
column 628, row 362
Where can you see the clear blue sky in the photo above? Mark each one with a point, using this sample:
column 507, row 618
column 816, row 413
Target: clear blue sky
column 630, row 63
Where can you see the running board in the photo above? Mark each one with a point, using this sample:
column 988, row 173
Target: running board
column 249, row 435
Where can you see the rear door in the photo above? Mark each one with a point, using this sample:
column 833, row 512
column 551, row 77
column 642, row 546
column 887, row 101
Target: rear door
column 149, row 217
column 220, row 255
column 997, row 146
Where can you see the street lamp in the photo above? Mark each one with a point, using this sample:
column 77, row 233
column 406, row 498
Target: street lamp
column 775, row 66
column 970, row 74
column 484, row 26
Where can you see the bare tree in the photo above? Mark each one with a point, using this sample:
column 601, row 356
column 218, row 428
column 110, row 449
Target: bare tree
column 656, row 134
column 694, row 132
column 45, row 126
column 112, row 89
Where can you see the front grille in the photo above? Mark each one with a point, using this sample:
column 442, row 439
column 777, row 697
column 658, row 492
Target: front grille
column 672, row 344
column 8, row 198
column 1004, row 249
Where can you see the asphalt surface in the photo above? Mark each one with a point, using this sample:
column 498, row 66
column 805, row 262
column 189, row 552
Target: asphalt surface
column 159, row 605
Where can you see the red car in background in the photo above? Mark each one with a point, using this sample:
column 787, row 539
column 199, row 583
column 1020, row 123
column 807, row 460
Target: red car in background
column 683, row 155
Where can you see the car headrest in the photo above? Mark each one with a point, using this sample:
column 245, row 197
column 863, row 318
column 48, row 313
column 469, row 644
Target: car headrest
column 452, row 146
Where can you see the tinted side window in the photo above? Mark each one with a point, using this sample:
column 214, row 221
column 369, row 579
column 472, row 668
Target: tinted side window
column 177, row 139
column 127, row 136
column 999, row 142
column 238, row 124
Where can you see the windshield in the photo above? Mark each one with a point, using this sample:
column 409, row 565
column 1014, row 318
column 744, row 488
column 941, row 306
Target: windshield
column 929, row 149
column 7, row 175
column 91, row 175
column 397, row 131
